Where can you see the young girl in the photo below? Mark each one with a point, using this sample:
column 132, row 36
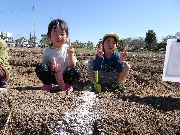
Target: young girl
column 110, row 64
column 5, row 68
column 58, row 61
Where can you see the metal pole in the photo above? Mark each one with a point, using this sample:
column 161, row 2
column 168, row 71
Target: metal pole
column 34, row 27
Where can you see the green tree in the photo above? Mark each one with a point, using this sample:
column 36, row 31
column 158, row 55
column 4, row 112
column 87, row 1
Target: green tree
column 77, row 42
column 161, row 45
column 151, row 39
column 89, row 45
column 164, row 39
column 121, row 44
column 45, row 40
column 176, row 36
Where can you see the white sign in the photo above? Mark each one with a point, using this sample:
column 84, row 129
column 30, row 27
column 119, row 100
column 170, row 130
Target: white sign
column 171, row 71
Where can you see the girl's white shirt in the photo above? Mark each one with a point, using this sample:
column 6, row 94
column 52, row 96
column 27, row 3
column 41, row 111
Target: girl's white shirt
column 60, row 55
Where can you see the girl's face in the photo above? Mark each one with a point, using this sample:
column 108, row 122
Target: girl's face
column 58, row 37
column 109, row 44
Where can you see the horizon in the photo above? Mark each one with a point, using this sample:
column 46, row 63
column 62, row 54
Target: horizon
column 88, row 22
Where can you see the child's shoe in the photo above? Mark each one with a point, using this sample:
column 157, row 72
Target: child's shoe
column 117, row 86
column 68, row 87
column 47, row 87
column 3, row 85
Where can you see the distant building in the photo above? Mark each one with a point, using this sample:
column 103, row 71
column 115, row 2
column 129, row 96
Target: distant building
column 7, row 36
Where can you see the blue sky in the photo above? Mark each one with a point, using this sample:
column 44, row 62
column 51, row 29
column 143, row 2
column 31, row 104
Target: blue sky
column 90, row 20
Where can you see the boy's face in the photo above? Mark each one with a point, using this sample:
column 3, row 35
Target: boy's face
column 58, row 37
column 109, row 44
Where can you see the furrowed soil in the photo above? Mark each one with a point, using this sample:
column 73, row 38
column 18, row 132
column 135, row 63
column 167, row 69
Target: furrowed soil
column 148, row 105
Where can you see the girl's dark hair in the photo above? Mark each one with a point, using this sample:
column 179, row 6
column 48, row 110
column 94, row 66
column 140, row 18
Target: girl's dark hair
column 58, row 23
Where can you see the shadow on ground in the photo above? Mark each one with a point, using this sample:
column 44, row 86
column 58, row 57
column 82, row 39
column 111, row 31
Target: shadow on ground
column 159, row 103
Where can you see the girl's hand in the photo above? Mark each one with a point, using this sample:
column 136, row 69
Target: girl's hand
column 124, row 54
column 100, row 51
column 70, row 49
column 54, row 65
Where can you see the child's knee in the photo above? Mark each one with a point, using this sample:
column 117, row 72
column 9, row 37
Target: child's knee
column 77, row 72
column 90, row 67
column 40, row 67
column 127, row 67
column 91, row 62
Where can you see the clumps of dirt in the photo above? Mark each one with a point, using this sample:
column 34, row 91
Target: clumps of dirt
column 148, row 106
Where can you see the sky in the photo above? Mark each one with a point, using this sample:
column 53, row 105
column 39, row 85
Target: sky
column 90, row 20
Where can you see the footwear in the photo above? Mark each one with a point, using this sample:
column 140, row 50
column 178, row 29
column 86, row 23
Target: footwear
column 47, row 87
column 89, row 87
column 68, row 87
column 117, row 87
column 3, row 85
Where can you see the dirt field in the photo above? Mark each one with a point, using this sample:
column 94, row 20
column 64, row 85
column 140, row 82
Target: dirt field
column 148, row 106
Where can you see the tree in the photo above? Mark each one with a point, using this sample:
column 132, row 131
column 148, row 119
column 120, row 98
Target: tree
column 176, row 36
column 151, row 39
column 164, row 39
column 45, row 40
column 161, row 45
column 77, row 42
column 121, row 44
column 133, row 43
column 89, row 45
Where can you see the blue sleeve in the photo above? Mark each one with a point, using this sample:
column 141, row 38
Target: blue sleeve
column 119, row 67
column 98, row 63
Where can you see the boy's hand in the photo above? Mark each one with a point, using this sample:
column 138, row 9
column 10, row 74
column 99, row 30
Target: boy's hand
column 124, row 54
column 70, row 49
column 100, row 51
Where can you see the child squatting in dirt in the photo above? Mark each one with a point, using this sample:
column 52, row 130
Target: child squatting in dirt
column 112, row 69
column 58, row 60
column 5, row 68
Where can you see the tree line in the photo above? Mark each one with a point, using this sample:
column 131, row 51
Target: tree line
column 148, row 43
column 136, row 44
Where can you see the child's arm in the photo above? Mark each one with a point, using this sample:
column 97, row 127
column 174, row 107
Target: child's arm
column 124, row 54
column 72, row 61
column 71, row 58
column 4, row 56
column 98, row 63
column 120, row 59
column 119, row 65
column 99, row 59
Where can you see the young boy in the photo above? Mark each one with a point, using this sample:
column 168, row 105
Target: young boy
column 112, row 69
column 5, row 68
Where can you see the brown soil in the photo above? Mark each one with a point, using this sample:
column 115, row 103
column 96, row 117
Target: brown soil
column 148, row 106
